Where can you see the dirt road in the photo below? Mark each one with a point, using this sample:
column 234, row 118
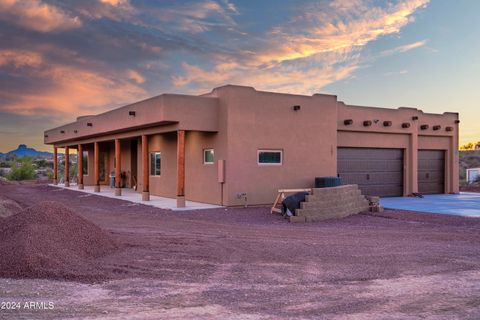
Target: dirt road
column 249, row 264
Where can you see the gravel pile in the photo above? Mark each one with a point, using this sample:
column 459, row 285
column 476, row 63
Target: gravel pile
column 8, row 207
column 48, row 240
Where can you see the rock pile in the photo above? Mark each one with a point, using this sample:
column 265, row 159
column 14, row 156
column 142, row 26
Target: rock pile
column 48, row 240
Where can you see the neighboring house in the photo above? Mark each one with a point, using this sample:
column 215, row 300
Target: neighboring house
column 237, row 142
column 477, row 146
column 5, row 171
column 472, row 175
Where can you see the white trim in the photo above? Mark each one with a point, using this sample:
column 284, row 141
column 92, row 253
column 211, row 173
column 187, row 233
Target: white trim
column 270, row 150
column 213, row 152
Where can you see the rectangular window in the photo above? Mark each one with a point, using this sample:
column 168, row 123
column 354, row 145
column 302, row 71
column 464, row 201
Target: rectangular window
column 85, row 163
column 270, row 157
column 208, row 156
column 155, row 162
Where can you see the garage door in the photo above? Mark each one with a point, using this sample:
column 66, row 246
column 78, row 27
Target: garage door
column 378, row 172
column 431, row 171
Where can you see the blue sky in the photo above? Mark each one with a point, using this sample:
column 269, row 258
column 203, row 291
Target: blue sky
column 62, row 59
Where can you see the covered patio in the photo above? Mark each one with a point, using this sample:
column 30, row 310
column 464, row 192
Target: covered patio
column 131, row 195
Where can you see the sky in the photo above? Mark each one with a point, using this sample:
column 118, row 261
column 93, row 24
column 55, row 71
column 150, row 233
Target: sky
column 60, row 59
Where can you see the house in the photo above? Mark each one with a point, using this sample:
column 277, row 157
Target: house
column 236, row 143
column 473, row 175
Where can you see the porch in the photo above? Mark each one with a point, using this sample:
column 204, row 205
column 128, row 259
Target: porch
column 132, row 196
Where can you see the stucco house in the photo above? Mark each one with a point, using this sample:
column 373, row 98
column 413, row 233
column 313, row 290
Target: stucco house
column 236, row 141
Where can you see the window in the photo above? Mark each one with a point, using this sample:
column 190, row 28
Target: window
column 208, row 156
column 270, row 157
column 155, row 161
column 85, row 163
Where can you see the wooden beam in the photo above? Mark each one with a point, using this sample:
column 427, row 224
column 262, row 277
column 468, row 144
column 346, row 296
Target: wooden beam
column 145, row 171
column 118, row 168
column 96, row 169
column 66, row 175
column 181, row 168
column 55, row 165
column 80, row 166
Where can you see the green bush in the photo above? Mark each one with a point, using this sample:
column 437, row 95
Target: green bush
column 22, row 170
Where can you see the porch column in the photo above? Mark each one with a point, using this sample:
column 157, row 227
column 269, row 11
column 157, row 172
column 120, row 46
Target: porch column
column 80, row 167
column 96, row 170
column 66, row 176
column 180, row 169
column 55, row 165
column 118, row 168
column 146, row 187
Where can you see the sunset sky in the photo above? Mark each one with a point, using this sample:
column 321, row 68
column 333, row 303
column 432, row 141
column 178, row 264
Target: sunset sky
column 62, row 59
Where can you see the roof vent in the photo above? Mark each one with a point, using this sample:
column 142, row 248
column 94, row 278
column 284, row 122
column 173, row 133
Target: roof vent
column 348, row 122
column 296, row 108
column 414, row 118
column 46, row 136
column 437, row 128
column 89, row 124
column 457, row 121
column 449, row 129
column 424, row 126
column 131, row 113
column 62, row 131
column 387, row 123
column 405, row 125
column 367, row 123
column 75, row 131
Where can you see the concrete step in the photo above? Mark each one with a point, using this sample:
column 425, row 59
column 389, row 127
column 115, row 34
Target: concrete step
column 333, row 215
column 328, row 196
column 337, row 201
column 334, row 190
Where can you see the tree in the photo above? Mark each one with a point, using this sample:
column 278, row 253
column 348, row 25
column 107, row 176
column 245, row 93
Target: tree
column 22, row 170
column 470, row 146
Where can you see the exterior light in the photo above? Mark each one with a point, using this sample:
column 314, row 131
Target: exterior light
column 89, row 124
column 424, row 126
column 405, row 125
column 296, row 108
column 387, row 123
column 367, row 123
column 348, row 122
column 414, row 118
column 457, row 121
column 437, row 128
column 46, row 136
column 449, row 129
column 62, row 131
column 131, row 113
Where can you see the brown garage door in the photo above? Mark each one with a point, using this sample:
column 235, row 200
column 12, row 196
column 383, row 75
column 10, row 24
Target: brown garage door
column 378, row 172
column 431, row 171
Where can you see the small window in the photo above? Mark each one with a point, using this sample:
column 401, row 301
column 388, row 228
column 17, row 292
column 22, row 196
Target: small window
column 85, row 163
column 208, row 156
column 270, row 157
column 155, row 162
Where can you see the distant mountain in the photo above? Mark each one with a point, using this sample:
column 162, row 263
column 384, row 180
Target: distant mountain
column 23, row 151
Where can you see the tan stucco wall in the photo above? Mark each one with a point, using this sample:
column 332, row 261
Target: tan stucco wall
column 264, row 120
column 410, row 139
column 238, row 121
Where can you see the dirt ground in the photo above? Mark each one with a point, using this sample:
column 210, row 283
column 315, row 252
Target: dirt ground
column 249, row 264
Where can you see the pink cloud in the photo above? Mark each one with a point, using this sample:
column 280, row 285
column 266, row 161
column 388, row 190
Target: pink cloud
column 36, row 15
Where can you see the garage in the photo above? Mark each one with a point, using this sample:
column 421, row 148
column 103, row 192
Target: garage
column 377, row 172
column 431, row 171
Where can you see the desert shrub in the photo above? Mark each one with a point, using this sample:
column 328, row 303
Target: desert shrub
column 22, row 170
